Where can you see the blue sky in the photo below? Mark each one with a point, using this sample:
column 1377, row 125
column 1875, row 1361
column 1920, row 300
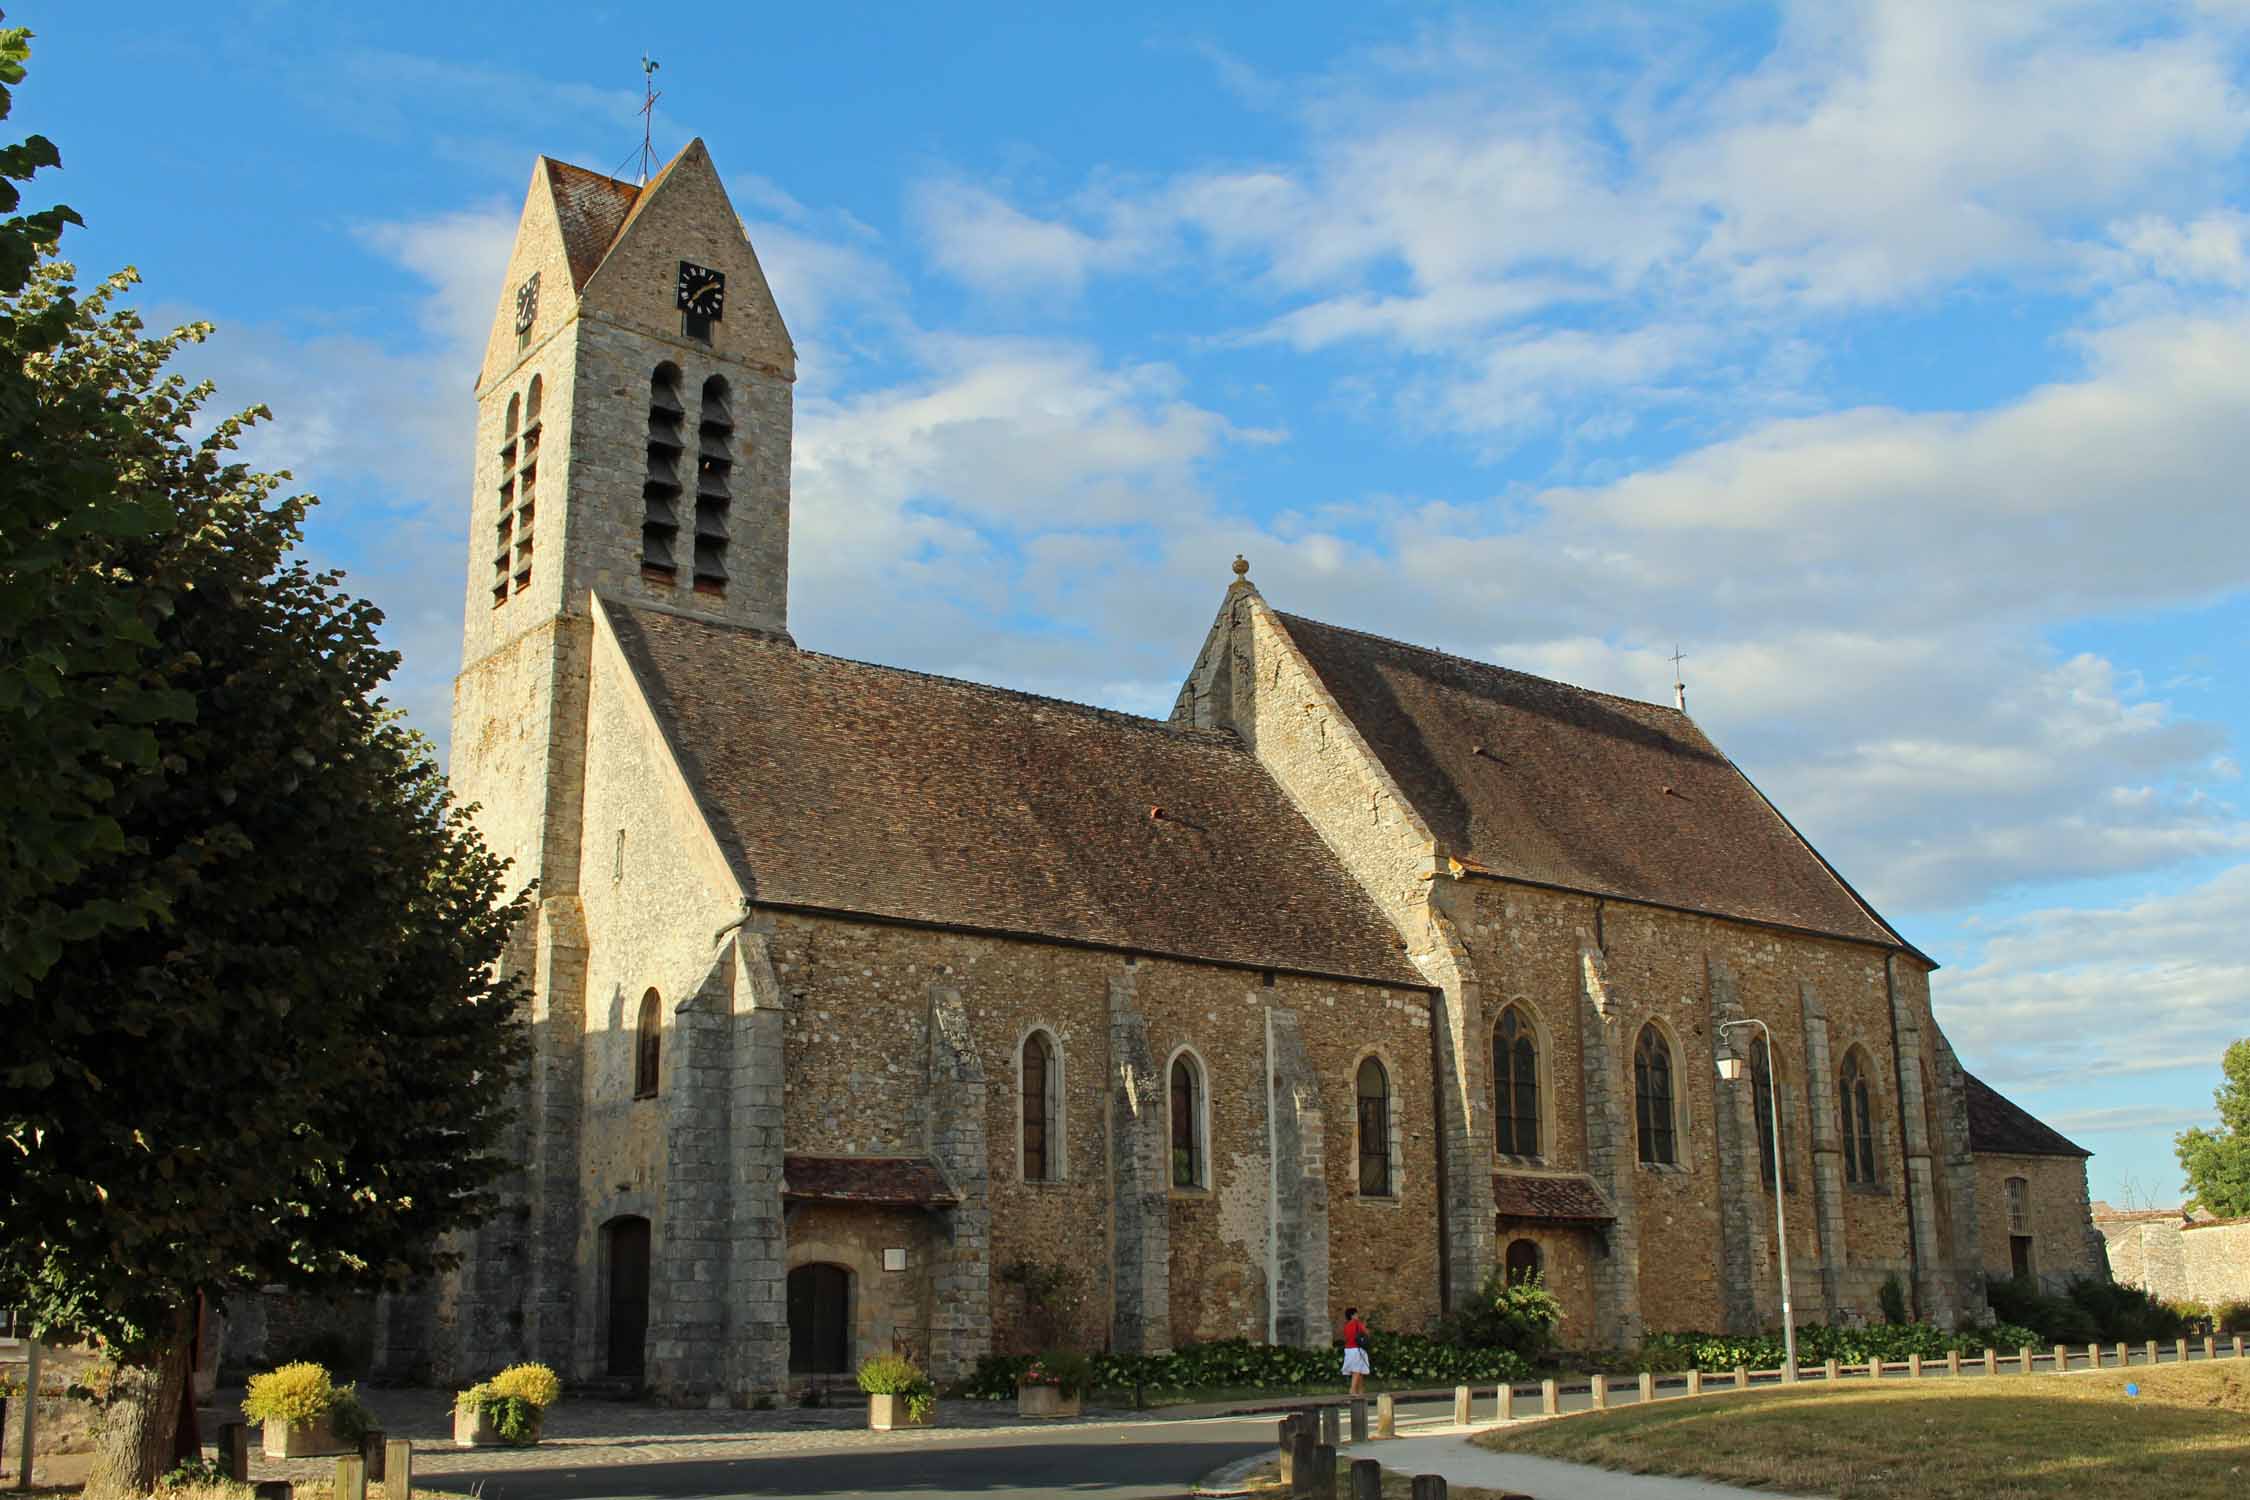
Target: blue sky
column 1893, row 359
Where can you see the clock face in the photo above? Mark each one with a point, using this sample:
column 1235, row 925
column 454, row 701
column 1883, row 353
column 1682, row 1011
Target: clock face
column 527, row 303
column 703, row 291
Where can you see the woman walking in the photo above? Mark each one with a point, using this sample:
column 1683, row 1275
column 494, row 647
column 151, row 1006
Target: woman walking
column 1355, row 1350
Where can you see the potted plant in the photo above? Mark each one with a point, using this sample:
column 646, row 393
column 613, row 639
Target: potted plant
column 898, row 1393
column 1054, row 1385
column 306, row 1415
column 509, row 1408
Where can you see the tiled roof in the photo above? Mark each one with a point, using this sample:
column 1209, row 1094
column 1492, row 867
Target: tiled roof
column 593, row 209
column 1537, row 780
column 2006, row 1129
column 1554, row 1200
column 885, row 1181
column 837, row 785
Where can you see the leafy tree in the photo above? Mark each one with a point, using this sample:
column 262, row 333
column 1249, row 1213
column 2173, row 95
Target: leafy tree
column 2217, row 1162
column 248, row 948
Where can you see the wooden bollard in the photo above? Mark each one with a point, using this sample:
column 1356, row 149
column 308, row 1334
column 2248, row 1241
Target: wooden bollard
column 1648, row 1387
column 1461, row 1406
column 1742, row 1377
column 2023, row 1358
column 1331, row 1420
column 1914, row 1367
column 2123, row 1358
column 2210, row 1347
column 1874, row 1369
column 371, row 1446
column 1952, row 1361
column 2062, row 1358
column 2237, row 1346
column 234, row 1450
column 398, row 1470
column 1550, row 1398
column 351, row 1478
column 1367, row 1479
column 1599, row 1386
column 1324, row 1471
column 1505, row 1402
column 1695, row 1382
column 1386, row 1416
column 2180, row 1352
column 1288, row 1439
column 1991, row 1361
column 1359, row 1419
column 1830, row 1371
column 1301, row 1451
column 1788, row 1372
column 1428, row 1487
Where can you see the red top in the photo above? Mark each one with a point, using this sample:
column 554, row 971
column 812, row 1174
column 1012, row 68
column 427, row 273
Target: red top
column 1355, row 1334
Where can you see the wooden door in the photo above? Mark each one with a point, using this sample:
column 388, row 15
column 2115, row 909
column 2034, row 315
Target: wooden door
column 628, row 1297
column 819, row 1335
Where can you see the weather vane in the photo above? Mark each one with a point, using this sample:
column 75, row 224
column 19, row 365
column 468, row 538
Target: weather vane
column 649, row 96
column 1679, row 683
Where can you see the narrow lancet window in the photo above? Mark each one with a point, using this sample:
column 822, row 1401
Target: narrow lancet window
column 1515, row 1086
column 1374, row 1090
column 1652, row 1099
column 648, row 1043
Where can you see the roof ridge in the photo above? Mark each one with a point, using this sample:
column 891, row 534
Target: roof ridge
column 1489, row 666
column 1219, row 738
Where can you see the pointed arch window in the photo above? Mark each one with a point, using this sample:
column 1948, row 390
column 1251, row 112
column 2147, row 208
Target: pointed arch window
column 1373, row 1087
column 504, row 537
column 1762, row 1103
column 1652, row 1099
column 648, row 1045
column 1856, row 1119
column 714, row 471
column 660, row 490
column 1188, row 1155
column 1515, row 1085
column 1039, row 1078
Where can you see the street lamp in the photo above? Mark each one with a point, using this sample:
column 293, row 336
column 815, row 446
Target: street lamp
column 1731, row 1069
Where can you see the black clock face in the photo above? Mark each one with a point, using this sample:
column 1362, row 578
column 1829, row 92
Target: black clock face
column 703, row 291
column 527, row 303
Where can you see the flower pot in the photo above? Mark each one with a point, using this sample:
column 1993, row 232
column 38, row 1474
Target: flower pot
column 314, row 1439
column 473, row 1428
column 887, row 1412
column 1046, row 1401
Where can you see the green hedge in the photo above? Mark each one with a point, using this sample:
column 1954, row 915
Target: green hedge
column 1717, row 1353
column 1240, row 1363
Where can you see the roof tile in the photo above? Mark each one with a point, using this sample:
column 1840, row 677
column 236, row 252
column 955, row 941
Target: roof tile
column 2002, row 1127
column 884, row 1181
column 1552, row 1200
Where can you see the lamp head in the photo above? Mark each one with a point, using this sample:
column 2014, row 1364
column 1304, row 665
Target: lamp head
column 1730, row 1069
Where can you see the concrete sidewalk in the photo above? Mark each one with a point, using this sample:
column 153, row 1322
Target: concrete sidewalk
column 1449, row 1452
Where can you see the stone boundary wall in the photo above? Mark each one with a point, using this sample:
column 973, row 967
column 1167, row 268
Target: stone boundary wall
column 2207, row 1263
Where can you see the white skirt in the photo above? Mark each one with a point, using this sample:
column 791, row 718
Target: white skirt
column 1355, row 1362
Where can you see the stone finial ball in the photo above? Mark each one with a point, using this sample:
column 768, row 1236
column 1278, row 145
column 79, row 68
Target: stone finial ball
column 1241, row 566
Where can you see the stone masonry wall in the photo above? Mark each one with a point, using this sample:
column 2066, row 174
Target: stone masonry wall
column 2064, row 1243
column 856, row 1024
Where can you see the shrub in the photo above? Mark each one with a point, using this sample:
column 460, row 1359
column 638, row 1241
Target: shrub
column 1241, row 1363
column 200, row 1474
column 295, row 1395
column 2126, row 1313
column 1716, row 1354
column 1519, row 1315
column 890, row 1375
column 2231, row 1317
column 1892, row 1299
column 2056, row 1320
column 514, row 1418
column 1067, row 1370
column 535, row 1383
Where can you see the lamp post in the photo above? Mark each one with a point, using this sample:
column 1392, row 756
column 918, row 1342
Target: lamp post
column 1730, row 1069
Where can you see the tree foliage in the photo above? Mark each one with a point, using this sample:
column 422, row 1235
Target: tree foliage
column 2217, row 1162
column 248, row 947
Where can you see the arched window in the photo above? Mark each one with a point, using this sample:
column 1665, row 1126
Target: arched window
column 1652, row 1098
column 648, row 1045
column 1762, row 1104
column 2019, row 1228
column 1856, row 1119
column 504, row 537
column 714, row 467
column 1515, row 1086
column 1523, row 1260
column 1374, row 1090
column 1042, row 1111
column 660, row 490
column 1188, row 1156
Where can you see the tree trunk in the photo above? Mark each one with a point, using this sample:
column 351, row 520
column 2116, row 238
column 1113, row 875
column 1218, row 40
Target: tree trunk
column 133, row 1440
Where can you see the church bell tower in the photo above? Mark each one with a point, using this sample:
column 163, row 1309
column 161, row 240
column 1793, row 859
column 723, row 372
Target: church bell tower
column 633, row 426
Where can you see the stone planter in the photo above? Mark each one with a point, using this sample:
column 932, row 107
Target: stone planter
column 473, row 1429
column 315, row 1439
column 1047, row 1401
column 887, row 1412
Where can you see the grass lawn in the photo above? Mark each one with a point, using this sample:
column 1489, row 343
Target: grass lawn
column 2010, row 1438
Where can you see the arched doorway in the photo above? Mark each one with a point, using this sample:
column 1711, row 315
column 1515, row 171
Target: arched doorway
column 625, row 1261
column 819, row 1320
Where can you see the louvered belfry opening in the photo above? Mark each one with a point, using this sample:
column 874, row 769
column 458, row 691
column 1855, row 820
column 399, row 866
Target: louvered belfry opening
column 660, row 493
column 714, row 466
column 504, row 531
column 527, row 482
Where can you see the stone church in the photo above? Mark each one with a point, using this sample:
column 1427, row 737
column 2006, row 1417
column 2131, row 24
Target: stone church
column 857, row 992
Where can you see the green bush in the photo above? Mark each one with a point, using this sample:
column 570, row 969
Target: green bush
column 1518, row 1315
column 890, row 1375
column 2056, row 1320
column 514, row 1417
column 2231, row 1317
column 1892, row 1299
column 1716, row 1353
column 1241, row 1363
column 1067, row 1370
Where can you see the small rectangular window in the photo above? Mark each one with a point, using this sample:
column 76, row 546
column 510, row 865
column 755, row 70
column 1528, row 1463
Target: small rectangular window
column 695, row 326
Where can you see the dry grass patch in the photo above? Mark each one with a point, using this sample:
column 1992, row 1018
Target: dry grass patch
column 2010, row 1438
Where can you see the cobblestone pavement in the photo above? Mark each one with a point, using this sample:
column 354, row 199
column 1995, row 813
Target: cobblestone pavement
column 590, row 1433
